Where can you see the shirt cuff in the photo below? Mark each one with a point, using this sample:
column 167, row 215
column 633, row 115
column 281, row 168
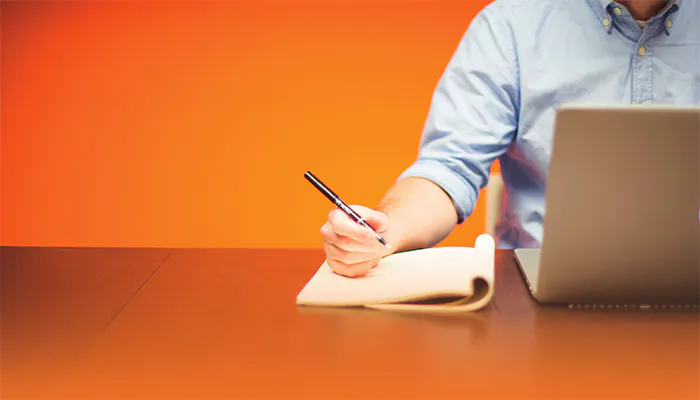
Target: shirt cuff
column 461, row 192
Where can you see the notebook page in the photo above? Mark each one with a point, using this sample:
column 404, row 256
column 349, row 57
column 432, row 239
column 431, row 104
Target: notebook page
column 419, row 274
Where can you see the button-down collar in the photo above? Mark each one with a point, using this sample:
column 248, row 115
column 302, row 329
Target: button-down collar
column 604, row 8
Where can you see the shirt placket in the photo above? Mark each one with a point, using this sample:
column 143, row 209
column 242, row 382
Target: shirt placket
column 642, row 83
column 643, row 68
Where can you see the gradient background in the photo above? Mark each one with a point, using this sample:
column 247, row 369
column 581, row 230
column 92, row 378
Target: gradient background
column 191, row 123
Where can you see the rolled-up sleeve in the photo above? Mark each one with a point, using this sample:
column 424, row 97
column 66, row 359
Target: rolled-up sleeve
column 473, row 113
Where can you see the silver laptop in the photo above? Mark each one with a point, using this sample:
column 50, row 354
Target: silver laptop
column 622, row 221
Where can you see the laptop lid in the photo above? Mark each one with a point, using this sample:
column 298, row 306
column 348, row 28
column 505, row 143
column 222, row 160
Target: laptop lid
column 622, row 207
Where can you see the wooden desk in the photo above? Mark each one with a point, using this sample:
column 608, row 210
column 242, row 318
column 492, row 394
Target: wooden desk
column 55, row 301
column 223, row 323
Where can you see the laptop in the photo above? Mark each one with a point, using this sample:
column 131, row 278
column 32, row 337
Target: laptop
column 622, row 221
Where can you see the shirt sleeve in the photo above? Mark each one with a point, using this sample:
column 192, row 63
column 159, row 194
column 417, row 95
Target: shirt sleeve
column 473, row 112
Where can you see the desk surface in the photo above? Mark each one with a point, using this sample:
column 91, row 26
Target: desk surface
column 223, row 323
column 55, row 301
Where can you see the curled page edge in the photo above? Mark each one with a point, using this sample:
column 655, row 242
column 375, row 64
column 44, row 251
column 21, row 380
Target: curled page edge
column 485, row 250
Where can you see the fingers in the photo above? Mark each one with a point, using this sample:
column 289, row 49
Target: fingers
column 353, row 249
column 344, row 226
column 378, row 221
column 336, row 253
column 346, row 243
column 353, row 270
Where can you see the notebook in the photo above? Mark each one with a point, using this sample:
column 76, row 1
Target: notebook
column 437, row 279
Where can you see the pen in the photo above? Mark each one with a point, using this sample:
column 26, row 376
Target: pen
column 341, row 204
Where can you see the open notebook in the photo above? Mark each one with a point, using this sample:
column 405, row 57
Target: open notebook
column 438, row 279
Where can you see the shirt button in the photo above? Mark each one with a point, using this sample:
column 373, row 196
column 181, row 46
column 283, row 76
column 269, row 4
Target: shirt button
column 669, row 23
column 642, row 51
column 617, row 11
column 606, row 21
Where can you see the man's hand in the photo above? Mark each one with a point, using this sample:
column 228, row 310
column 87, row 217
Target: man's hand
column 351, row 249
column 421, row 213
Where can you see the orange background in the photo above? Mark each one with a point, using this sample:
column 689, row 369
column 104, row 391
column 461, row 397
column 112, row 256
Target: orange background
column 191, row 123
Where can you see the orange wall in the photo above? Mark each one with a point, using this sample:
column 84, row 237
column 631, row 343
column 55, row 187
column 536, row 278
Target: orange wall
column 191, row 123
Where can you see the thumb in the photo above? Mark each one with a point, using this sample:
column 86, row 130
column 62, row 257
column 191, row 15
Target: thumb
column 377, row 220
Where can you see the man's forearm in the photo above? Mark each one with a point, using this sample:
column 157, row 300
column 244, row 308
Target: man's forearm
column 420, row 214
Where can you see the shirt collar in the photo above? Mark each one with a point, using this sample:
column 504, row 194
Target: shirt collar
column 601, row 8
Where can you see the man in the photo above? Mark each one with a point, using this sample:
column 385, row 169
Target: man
column 518, row 61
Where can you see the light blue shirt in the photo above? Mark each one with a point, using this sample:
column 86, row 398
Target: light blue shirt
column 517, row 63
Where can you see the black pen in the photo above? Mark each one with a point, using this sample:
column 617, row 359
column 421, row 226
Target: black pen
column 341, row 204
